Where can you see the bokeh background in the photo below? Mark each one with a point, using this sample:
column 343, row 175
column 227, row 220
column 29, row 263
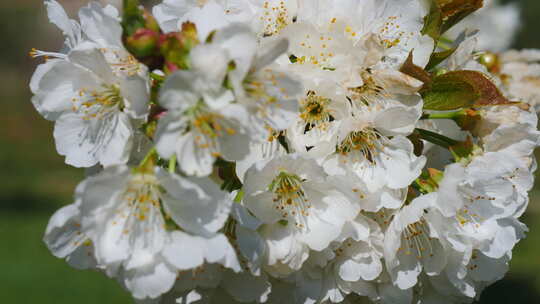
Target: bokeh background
column 34, row 181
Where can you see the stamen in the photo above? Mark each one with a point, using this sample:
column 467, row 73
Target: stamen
column 35, row 53
column 208, row 127
column 416, row 239
column 290, row 198
column 98, row 104
column 366, row 142
column 314, row 111
column 275, row 18
column 372, row 92
column 142, row 204
column 121, row 62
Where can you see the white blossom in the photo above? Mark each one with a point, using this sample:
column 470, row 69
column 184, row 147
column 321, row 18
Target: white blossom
column 125, row 213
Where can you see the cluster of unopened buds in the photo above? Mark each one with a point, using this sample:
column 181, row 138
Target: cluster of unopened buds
column 289, row 151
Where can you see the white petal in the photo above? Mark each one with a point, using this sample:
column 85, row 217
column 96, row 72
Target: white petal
column 100, row 26
column 184, row 251
column 63, row 234
column 135, row 91
column 57, row 15
column 193, row 160
column 169, row 129
column 177, row 93
column 219, row 250
column 117, row 147
column 196, row 205
column 151, row 281
column 69, row 133
column 88, row 56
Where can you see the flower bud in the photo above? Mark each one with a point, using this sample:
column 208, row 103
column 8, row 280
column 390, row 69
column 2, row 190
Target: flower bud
column 143, row 42
column 490, row 61
column 175, row 47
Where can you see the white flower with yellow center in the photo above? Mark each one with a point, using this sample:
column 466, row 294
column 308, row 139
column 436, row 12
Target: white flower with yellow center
column 510, row 130
column 316, row 124
column 94, row 90
column 332, row 41
column 370, row 145
column 147, row 224
column 269, row 93
column 412, row 244
column 272, row 16
column 354, row 261
column 299, row 207
column 262, row 87
column 202, row 122
column 94, row 108
column 481, row 203
column 99, row 25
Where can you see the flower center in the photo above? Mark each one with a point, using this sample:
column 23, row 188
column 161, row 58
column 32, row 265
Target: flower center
column 275, row 17
column 371, row 92
column 142, row 195
column 208, row 127
column 416, row 240
column 364, row 142
column 258, row 90
column 290, row 198
column 391, row 33
column 97, row 104
column 314, row 111
column 467, row 215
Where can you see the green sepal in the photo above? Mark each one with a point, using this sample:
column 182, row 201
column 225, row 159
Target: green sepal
column 239, row 196
column 425, row 184
column 463, row 151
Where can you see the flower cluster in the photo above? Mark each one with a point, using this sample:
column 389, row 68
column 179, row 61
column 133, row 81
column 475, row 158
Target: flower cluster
column 288, row 151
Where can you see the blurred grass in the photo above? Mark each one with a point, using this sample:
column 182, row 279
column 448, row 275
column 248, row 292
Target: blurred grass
column 34, row 181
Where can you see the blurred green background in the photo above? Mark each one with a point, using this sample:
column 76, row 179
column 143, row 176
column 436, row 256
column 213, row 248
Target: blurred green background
column 34, row 181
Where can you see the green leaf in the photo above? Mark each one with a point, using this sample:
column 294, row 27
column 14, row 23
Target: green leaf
column 444, row 14
column 461, row 89
column 438, row 57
